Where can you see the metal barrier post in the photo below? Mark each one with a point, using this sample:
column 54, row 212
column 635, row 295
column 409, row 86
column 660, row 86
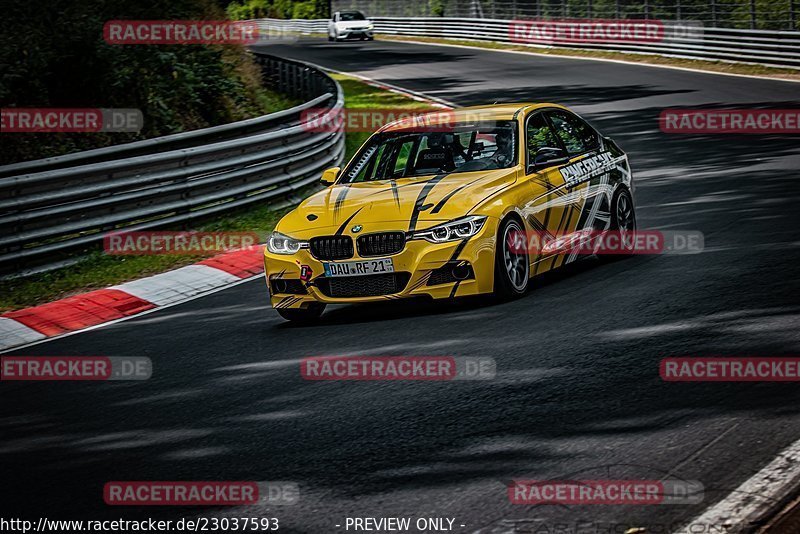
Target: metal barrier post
column 713, row 13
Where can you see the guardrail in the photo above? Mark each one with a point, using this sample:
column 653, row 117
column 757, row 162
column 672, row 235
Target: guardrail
column 752, row 14
column 683, row 39
column 55, row 208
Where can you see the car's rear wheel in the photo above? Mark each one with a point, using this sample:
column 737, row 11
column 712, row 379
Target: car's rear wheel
column 512, row 266
column 303, row 315
column 623, row 221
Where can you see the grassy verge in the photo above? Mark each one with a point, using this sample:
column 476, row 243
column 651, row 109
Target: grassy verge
column 270, row 101
column 711, row 66
column 99, row 270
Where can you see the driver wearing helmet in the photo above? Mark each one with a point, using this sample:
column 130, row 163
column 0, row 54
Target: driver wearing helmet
column 504, row 154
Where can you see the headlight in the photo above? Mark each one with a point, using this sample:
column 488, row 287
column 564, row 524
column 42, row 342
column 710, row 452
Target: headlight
column 283, row 244
column 369, row 26
column 453, row 230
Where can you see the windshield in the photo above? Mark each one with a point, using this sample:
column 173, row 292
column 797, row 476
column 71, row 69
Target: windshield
column 348, row 16
column 464, row 148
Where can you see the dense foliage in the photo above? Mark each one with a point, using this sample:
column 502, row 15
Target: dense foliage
column 278, row 9
column 55, row 56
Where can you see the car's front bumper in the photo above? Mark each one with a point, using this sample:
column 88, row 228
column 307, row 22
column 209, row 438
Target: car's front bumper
column 355, row 34
column 424, row 262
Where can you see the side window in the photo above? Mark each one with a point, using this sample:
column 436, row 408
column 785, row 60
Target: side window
column 577, row 136
column 372, row 160
column 401, row 162
column 460, row 146
column 538, row 136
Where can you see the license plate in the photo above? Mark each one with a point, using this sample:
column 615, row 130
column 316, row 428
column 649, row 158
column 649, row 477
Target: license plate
column 359, row 268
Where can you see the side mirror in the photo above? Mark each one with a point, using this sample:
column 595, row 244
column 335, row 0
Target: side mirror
column 329, row 176
column 549, row 156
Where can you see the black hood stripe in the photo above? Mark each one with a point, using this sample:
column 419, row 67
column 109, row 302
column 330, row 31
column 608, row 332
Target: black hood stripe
column 345, row 223
column 423, row 194
column 394, row 185
column 447, row 197
column 396, row 193
column 340, row 201
column 418, row 182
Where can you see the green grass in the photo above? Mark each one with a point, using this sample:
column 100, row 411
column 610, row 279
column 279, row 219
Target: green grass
column 99, row 270
column 712, row 66
column 270, row 101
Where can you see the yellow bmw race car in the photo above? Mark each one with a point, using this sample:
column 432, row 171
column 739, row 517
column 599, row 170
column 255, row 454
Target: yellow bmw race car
column 437, row 205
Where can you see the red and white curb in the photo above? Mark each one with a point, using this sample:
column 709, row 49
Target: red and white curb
column 95, row 308
column 79, row 312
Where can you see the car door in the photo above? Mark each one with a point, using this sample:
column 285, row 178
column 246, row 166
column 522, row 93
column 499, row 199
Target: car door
column 552, row 209
column 586, row 177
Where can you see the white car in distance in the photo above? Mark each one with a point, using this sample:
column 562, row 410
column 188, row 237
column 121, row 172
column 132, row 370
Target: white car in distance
column 349, row 25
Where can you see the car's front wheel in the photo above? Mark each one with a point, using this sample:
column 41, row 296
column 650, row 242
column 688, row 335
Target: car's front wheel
column 512, row 266
column 303, row 315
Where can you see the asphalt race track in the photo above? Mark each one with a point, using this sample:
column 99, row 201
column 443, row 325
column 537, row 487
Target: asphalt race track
column 577, row 395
